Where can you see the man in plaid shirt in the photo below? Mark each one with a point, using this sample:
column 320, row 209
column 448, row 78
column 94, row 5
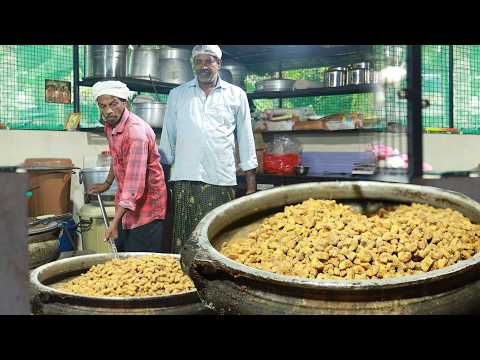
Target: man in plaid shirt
column 141, row 198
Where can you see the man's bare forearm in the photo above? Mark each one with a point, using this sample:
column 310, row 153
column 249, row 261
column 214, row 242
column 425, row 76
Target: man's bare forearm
column 110, row 176
column 119, row 212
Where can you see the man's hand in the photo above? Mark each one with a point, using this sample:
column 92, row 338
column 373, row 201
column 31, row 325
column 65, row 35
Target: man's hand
column 112, row 231
column 99, row 188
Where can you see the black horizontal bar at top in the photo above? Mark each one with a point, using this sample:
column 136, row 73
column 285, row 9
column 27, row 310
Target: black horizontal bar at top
column 134, row 84
column 324, row 91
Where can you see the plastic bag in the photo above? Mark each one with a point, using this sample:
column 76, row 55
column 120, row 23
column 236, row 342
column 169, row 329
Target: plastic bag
column 281, row 155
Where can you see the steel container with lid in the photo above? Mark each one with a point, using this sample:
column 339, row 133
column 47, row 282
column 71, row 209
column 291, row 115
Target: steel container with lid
column 359, row 73
column 335, row 76
column 228, row 286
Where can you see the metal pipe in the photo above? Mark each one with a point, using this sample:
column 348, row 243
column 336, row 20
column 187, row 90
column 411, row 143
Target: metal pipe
column 76, row 80
column 450, row 87
column 280, row 76
column 414, row 109
column 102, row 208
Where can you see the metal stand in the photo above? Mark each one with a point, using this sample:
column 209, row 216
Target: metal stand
column 76, row 79
column 414, row 108
column 14, row 275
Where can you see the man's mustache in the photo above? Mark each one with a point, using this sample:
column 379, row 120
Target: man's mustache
column 204, row 72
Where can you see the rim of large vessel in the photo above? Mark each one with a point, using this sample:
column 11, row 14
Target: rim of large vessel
column 389, row 283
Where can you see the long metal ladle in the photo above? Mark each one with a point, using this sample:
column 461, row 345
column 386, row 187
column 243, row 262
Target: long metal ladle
column 107, row 224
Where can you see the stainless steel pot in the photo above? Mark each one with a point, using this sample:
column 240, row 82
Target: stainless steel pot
column 106, row 61
column 335, row 76
column 151, row 112
column 91, row 176
column 226, row 75
column 239, row 72
column 144, row 64
column 359, row 73
column 174, row 65
column 231, row 287
column 274, row 85
column 48, row 300
column 42, row 252
column 42, row 232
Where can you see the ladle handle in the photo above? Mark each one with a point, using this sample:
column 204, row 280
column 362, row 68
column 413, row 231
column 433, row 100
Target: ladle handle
column 107, row 225
column 102, row 208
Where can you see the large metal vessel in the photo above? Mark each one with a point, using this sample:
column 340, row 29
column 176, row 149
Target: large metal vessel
column 97, row 175
column 238, row 71
column 151, row 112
column 143, row 64
column 174, row 66
column 230, row 287
column 226, row 75
column 106, row 61
column 48, row 300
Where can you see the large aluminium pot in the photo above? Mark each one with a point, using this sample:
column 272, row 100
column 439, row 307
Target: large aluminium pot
column 239, row 72
column 174, row 66
column 231, row 287
column 48, row 300
column 144, row 64
column 274, row 85
column 43, row 243
column 104, row 61
column 97, row 175
column 151, row 112
column 226, row 75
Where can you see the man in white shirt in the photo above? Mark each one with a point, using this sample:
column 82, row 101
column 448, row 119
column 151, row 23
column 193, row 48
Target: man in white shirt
column 203, row 119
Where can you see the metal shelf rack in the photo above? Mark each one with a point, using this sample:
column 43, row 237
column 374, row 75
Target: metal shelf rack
column 324, row 91
column 274, row 58
column 134, row 84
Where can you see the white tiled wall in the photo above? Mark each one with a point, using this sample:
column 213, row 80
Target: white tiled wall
column 443, row 152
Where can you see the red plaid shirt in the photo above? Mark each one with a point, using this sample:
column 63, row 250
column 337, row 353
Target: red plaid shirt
column 139, row 175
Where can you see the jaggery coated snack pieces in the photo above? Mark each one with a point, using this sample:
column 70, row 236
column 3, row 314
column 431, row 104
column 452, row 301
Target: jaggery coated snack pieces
column 321, row 239
column 149, row 275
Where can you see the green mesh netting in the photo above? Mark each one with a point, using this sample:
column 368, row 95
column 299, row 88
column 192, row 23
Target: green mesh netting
column 24, row 69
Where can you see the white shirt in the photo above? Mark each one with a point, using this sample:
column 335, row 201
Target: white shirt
column 199, row 132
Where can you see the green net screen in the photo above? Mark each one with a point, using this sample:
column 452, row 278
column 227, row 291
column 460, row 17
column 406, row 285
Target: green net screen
column 24, row 69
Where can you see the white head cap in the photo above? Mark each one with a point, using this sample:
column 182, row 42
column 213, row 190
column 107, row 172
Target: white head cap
column 208, row 50
column 112, row 88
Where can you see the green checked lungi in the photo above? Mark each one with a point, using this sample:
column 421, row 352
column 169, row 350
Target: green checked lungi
column 192, row 200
